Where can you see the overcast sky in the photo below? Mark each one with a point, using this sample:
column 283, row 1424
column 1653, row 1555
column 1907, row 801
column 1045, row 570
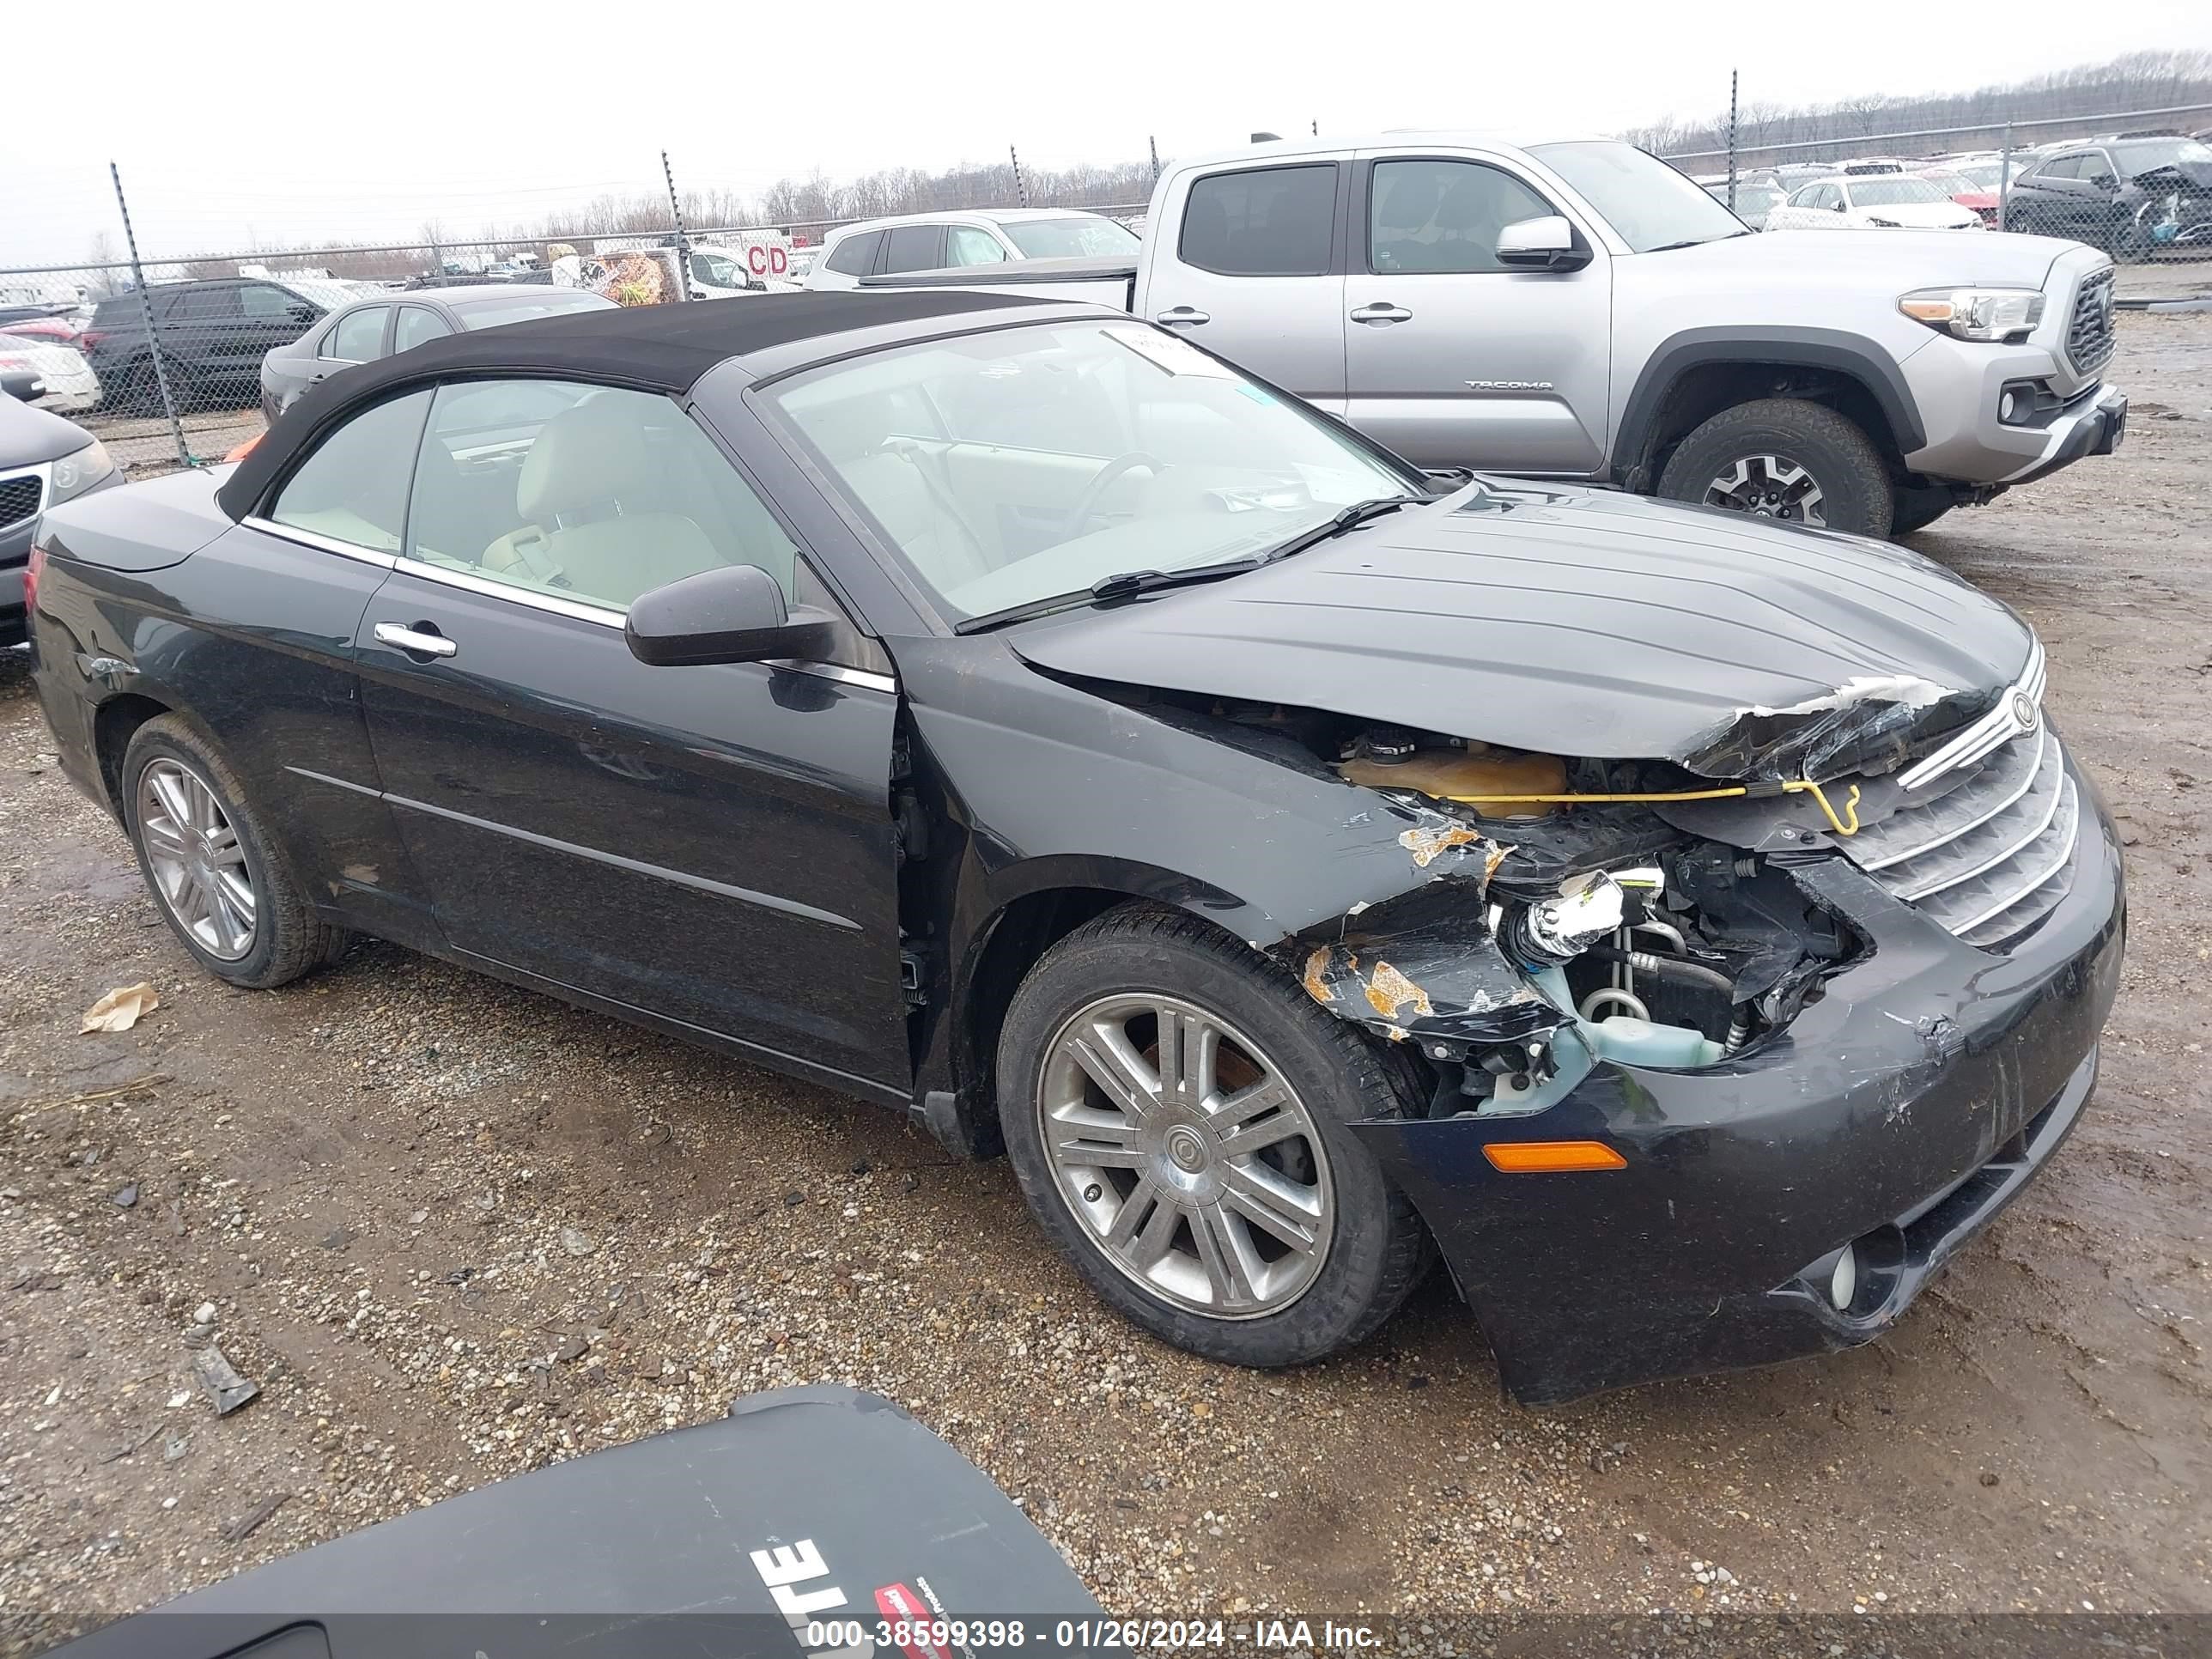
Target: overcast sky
column 253, row 121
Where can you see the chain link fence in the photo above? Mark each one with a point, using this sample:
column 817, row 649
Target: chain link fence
column 2136, row 182
column 162, row 357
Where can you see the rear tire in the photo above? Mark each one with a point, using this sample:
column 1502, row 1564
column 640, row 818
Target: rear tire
column 1222, row 1285
column 1800, row 462
column 216, row 872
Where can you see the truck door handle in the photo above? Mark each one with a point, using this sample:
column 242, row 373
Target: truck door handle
column 420, row 640
column 1186, row 316
column 1382, row 311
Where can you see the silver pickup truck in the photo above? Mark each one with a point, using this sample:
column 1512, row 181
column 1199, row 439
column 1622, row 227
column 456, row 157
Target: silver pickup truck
column 1577, row 309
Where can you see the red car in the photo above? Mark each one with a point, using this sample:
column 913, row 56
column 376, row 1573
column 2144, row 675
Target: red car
column 1966, row 192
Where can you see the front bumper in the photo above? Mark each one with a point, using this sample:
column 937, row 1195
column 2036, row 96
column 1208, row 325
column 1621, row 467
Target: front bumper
column 1900, row 1113
column 1957, row 387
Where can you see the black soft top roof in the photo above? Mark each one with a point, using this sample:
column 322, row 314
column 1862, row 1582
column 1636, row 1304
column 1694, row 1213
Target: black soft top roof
column 652, row 347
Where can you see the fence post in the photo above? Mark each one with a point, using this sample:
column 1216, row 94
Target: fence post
column 1021, row 188
column 1154, row 144
column 2004, row 181
column 682, row 246
column 146, row 310
column 1732, row 75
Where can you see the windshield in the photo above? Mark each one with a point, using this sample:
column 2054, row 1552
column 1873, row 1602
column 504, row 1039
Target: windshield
column 1085, row 237
column 328, row 291
column 521, row 307
column 1898, row 191
column 1649, row 205
column 2147, row 154
column 1751, row 200
column 1025, row 463
column 1953, row 184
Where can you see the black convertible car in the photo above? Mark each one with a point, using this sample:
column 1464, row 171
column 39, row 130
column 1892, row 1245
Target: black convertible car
column 1005, row 710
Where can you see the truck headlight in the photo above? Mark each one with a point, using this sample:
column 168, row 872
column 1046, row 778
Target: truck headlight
column 1975, row 314
column 78, row 470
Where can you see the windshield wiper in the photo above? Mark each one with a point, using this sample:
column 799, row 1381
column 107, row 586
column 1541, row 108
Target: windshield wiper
column 1349, row 519
column 1697, row 241
column 1135, row 584
column 1124, row 585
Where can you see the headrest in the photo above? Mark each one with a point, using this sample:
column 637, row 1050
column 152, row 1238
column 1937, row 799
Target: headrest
column 589, row 454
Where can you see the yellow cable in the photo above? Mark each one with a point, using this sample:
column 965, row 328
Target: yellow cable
column 1847, row 825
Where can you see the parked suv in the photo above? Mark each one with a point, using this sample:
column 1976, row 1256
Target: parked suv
column 2128, row 196
column 212, row 336
column 1576, row 308
column 979, row 236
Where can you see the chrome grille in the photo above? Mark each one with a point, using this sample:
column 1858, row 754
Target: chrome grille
column 1986, row 850
column 2089, row 334
column 20, row 497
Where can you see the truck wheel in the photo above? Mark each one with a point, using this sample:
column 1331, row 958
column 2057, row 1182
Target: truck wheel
column 1786, row 459
column 1176, row 1111
column 213, row 869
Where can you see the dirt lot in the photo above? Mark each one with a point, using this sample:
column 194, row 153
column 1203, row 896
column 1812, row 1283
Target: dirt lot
column 455, row 1231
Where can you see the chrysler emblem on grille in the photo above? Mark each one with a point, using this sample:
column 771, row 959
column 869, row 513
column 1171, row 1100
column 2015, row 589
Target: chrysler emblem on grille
column 2023, row 710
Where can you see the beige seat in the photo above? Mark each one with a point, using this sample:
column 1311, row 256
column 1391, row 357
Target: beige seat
column 586, row 494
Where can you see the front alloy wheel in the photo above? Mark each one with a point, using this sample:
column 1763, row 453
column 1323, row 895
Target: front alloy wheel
column 1771, row 486
column 1192, row 1162
column 198, row 867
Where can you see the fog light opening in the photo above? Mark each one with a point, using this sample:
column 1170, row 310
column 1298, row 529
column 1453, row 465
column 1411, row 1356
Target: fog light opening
column 2008, row 406
column 1843, row 1278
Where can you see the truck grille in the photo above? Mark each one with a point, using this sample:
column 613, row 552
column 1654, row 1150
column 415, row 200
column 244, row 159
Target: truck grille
column 1986, row 850
column 20, row 497
column 2089, row 339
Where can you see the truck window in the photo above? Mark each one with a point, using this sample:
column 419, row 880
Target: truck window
column 971, row 245
column 856, row 255
column 1442, row 215
column 1266, row 221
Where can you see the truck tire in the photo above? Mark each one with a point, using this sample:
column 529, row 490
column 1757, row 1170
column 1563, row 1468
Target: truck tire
column 1785, row 458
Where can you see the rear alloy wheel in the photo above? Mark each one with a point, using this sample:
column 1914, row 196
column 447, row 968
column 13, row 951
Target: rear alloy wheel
column 1786, row 459
column 1176, row 1111
column 216, row 871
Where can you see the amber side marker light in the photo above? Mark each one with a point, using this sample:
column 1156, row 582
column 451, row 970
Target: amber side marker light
column 241, row 450
column 1533, row 1156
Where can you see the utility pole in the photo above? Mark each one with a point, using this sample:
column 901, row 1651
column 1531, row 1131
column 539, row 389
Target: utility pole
column 146, row 311
column 1732, row 141
column 683, row 244
column 2004, row 181
column 1021, row 187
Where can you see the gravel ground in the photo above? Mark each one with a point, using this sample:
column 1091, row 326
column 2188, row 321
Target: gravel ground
column 455, row 1231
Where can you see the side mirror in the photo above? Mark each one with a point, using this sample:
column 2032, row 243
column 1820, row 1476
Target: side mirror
column 734, row 613
column 1545, row 244
column 22, row 383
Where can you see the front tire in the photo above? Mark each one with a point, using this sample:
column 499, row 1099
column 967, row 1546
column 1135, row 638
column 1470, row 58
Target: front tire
column 215, row 870
column 1216, row 1197
column 1785, row 458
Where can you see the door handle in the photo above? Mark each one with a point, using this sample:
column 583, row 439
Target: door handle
column 420, row 640
column 1183, row 315
column 1382, row 311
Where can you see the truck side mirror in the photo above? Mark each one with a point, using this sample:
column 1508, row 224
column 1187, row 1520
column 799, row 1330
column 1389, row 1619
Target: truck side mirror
column 1545, row 244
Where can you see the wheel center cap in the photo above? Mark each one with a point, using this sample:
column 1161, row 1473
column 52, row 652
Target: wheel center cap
column 1186, row 1149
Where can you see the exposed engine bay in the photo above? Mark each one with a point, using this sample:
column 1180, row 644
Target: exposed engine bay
column 1603, row 927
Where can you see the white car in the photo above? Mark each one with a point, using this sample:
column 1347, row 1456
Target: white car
column 970, row 236
column 71, row 385
column 1882, row 200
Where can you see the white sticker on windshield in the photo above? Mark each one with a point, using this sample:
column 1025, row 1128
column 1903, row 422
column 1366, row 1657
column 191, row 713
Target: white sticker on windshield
column 1167, row 352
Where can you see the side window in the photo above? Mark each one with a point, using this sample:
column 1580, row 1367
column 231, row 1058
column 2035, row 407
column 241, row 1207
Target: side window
column 2062, row 167
column 592, row 494
column 915, row 248
column 1442, row 215
column 417, row 324
column 856, row 255
column 966, row 245
column 358, row 336
column 2097, row 167
column 264, row 304
column 352, row 487
column 1270, row 221
column 204, row 305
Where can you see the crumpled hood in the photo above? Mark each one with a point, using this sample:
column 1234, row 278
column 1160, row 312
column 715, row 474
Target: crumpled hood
column 1582, row 623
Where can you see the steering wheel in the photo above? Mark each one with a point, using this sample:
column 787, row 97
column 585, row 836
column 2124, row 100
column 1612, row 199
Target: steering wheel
column 1086, row 505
